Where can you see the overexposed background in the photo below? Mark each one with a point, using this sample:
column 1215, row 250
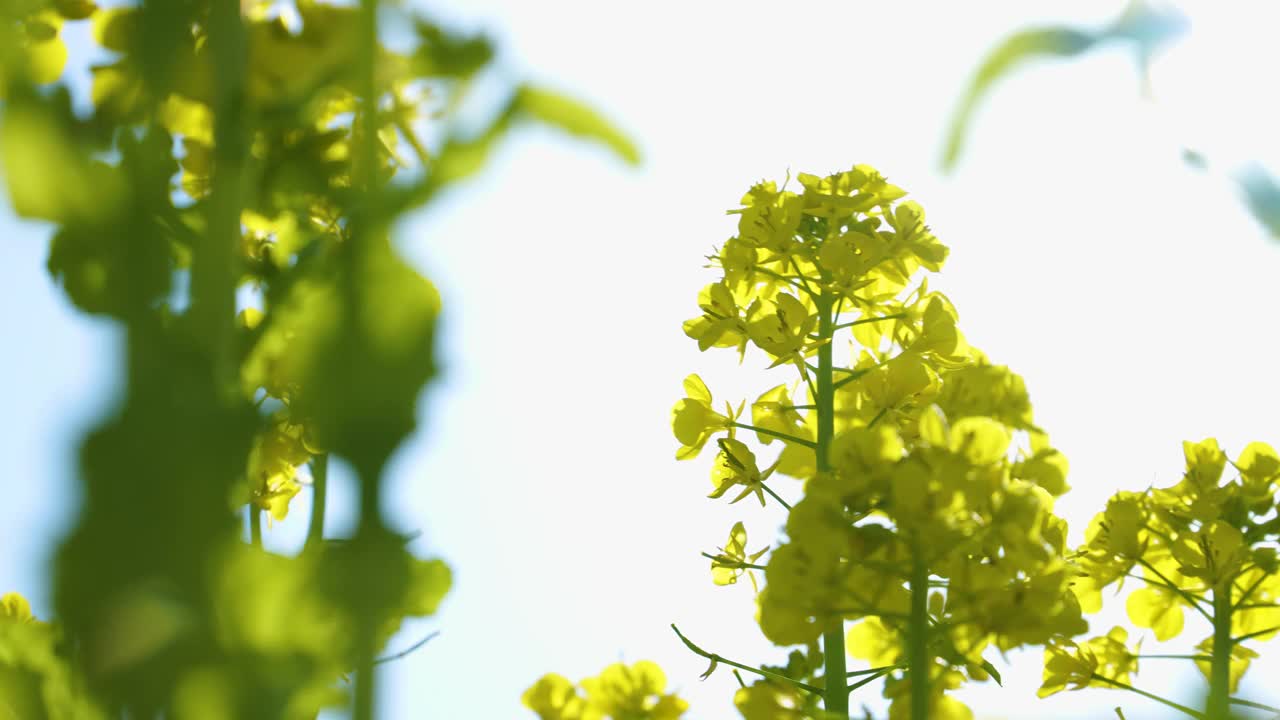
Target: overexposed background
column 1134, row 295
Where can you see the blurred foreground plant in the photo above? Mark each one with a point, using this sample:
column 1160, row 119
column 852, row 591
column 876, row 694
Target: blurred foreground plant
column 228, row 202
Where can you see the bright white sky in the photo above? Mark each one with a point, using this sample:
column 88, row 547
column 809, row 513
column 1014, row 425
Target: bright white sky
column 1132, row 293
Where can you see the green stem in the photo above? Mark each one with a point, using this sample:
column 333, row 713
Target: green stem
column 214, row 266
column 255, row 525
column 1255, row 705
column 803, row 280
column 1243, row 597
column 774, row 495
column 1167, row 703
column 731, row 563
column 1201, row 658
column 785, row 280
column 1173, row 589
column 319, row 494
column 836, row 697
column 407, row 651
column 715, row 658
column 853, row 376
column 872, row 671
column 869, row 679
column 365, row 172
column 774, row 433
column 1217, row 706
column 865, row 321
column 1249, row 636
column 1192, row 600
column 918, row 663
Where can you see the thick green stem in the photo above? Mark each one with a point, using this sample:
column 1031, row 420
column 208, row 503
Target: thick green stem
column 836, row 695
column 255, row 525
column 366, row 175
column 918, row 635
column 214, row 267
column 319, row 495
column 1217, row 707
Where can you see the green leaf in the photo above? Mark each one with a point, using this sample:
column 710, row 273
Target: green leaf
column 1262, row 197
column 575, row 118
column 992, row 671
column 1016, row 50
column 1143, row 27
column 441, row 53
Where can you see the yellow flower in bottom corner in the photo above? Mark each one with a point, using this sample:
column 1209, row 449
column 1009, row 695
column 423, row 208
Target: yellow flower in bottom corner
column 554, row 697
column 618, row 693
column 633, row 693
column 15, row 608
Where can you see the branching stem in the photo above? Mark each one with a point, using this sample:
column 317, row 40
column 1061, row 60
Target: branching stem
column 1167, row 703
column 714, row 657
column 779, row 435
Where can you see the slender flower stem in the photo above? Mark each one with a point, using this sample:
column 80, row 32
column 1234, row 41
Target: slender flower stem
column 730, row 563
column 1251, row 704
column 874, row 670
column 1202, row 658
column 1254, row 634
column 407, row 651
column 853, row 376
column 865, row 321
column 1243, row 597
column 1256, row 606
column 774, row 495
column 1192, row 600
column 836, row 697
column 774, row 433
column 869, row 679
column 319, row 495
column 1167, row 703
column 785, row 280
column 1217, row 706
column 803, row 280
column 715, row 658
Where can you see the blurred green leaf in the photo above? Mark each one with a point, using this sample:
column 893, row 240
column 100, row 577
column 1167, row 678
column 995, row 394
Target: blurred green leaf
column 1262, row 196
column 1142, row 26
column 575, row 118
column 446, row 54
